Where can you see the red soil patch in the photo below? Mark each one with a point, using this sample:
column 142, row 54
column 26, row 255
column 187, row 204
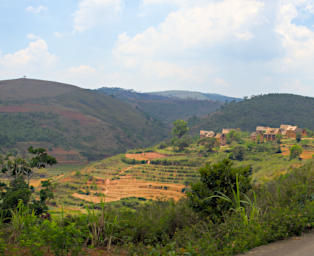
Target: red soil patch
column 305, row 154
column 68, row 114
column 36, row 183
column 67, row 156
column 15, row 109
column 146, row 156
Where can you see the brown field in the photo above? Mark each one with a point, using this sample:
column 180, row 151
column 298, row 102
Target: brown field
column 146, row 156
column 67, row 156
column 126, row 186
column 68, row 114
column 305, row 154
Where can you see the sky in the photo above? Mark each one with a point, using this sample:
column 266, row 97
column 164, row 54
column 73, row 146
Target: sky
column 232, row 47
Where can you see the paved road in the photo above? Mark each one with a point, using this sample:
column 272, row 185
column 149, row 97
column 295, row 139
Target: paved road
column 295, row 246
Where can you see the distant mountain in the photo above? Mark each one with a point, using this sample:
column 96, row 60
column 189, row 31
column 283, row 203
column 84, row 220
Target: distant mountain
column 164, row 108
column 73, row 123
column 195, row 95
column 266, row 110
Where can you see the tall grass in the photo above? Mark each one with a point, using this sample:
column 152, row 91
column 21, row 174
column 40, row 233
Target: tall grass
column 240, row 203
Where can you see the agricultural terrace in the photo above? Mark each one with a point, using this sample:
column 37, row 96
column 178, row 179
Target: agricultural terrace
column 161, row 172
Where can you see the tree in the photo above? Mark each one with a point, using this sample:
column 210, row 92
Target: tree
column 208, row 143
column 298, row 137
column 278, row 138
column 180, row 143
column 19, row 168
column 220, row 177
column 234, row 136
column 180, row 128
column 238, row 153
column 295, row 151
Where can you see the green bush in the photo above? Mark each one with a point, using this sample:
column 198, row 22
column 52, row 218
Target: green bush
column 220, row 177
column 295, row 151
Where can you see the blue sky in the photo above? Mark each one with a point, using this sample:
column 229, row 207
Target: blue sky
column 233, row 47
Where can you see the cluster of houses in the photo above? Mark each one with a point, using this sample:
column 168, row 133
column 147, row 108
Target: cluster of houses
column 270, row 134
column 220, row 137
column 261, row 134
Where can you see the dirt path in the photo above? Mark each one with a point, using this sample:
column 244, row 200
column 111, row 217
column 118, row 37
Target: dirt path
column 295, row 246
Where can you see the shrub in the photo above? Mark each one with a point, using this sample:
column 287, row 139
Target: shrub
column 238, row 153
column 295, row 151
column 220, row 177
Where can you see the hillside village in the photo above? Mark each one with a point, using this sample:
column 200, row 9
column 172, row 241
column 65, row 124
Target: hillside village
column 261, row 134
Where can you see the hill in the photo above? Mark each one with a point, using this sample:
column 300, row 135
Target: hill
column 165, row 109
column 73, row 123
column 195, row 95
column 265, row 110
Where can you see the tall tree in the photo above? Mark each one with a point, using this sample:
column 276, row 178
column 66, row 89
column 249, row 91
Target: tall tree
column 180, row 128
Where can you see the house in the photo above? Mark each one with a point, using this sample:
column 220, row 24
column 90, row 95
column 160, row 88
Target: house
column 289, row 130
column 218, row 137
column 271, row 133
column 207, row 134
column 265, row 133
column 261, row 129
column 257, row 137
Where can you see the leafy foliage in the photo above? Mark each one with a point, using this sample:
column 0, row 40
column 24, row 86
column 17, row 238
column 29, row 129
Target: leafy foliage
column 18, row 189
column 266, row 110
column 295, row 151
column 220, row 177
column 180, row 128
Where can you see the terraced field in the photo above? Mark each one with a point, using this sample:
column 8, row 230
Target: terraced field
column 162, row 174
column 168, row 174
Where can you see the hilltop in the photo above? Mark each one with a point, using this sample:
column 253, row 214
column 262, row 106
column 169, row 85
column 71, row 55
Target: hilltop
column 164, row 108
column 75, row 124
column 195, row 95
column 265, row 110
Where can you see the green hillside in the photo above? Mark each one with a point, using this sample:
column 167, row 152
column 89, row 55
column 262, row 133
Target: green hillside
column 163, row 108
column 71, row 121
column 266, row 110
column 195, row 95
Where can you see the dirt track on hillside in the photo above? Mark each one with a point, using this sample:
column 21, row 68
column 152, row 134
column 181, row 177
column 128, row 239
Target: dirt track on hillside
column 145, row 156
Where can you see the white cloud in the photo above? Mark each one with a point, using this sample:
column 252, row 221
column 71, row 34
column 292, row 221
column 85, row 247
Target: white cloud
column 92, row 12
column 167, row 50
column 36, row 9
column 296, row 40
column 34, row 58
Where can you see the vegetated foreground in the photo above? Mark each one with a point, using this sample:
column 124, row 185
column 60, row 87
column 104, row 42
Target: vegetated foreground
column 229, row 196
column 163, row 173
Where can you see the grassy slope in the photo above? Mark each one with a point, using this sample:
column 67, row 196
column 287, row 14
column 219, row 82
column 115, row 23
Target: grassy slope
column 195, row 95
column 267, row 110
column 166, row 109
column 183, row 169
column 59, row 115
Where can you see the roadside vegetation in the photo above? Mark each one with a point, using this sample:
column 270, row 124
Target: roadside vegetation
column 218, row 200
